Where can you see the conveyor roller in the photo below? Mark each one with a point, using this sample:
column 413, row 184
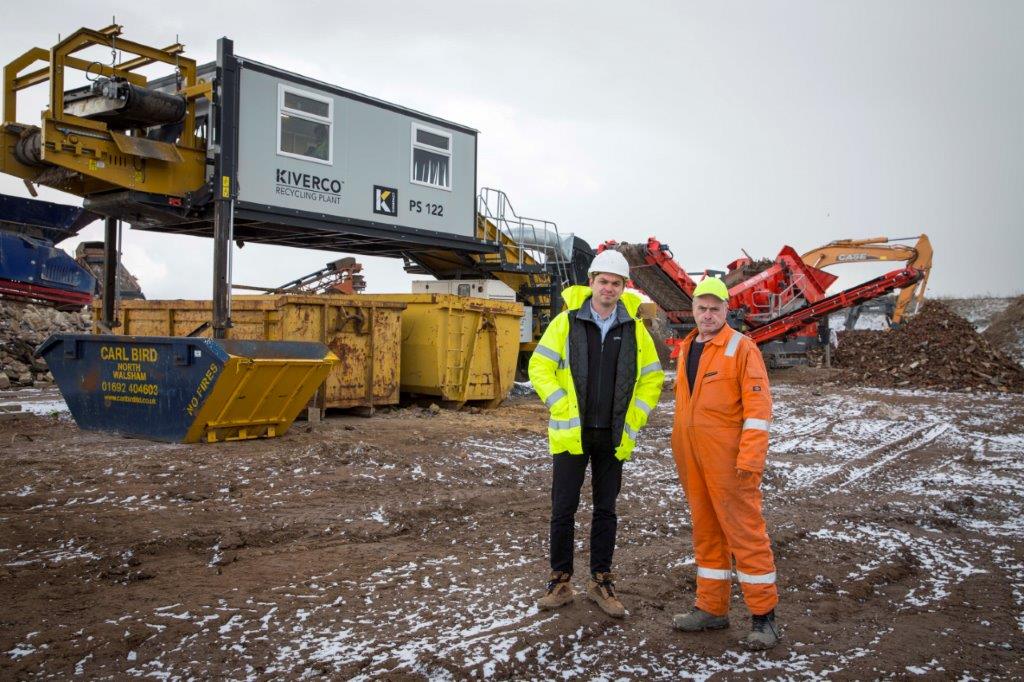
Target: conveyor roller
column 123, row 105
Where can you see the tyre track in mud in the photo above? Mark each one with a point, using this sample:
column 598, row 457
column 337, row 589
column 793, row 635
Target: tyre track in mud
column 413, row 546
column 884, row 455
column 885, row 552
column 866, row 463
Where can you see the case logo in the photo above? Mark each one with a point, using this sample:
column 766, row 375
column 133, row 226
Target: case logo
column 385, row 200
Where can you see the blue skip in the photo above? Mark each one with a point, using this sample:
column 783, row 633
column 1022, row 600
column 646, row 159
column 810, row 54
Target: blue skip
column 185, row 389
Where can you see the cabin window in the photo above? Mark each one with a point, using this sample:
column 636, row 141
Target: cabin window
column 305, row 123
column 431, row 157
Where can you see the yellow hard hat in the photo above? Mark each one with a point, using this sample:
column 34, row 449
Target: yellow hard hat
column 712, row 286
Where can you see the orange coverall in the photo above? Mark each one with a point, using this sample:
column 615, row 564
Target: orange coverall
column 722, row 427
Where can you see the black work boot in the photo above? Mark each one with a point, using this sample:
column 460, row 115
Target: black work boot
column 764, row 633
column 559, row 592
column 698, row 621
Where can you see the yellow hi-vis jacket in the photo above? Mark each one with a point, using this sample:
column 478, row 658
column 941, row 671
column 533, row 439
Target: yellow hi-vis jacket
column 551, row 373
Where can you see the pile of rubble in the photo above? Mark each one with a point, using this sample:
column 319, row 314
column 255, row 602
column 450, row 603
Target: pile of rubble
column 22, row 328
column 745, row 272
column 936, row 348
column 1006, row 332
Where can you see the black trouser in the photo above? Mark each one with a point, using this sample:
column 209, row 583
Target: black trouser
column 606, row 480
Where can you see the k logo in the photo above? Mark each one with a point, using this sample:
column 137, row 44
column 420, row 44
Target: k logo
column 385, row 200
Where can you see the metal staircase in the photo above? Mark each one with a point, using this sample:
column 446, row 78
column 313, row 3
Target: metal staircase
column 533, row 257
column 528, row 244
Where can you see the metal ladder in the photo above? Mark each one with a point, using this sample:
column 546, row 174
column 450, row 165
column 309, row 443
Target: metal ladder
column 456, row 320
column 536, row 239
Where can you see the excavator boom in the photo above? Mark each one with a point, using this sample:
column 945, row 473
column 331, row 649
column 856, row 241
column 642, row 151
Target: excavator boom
column 876, row 249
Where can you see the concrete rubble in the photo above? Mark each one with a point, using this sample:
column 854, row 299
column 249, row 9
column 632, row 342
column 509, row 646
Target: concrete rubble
column 936, row 349
column 22, row 328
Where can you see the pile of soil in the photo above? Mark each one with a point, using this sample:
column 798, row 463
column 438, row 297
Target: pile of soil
column 935, row 349
column 1006, row 332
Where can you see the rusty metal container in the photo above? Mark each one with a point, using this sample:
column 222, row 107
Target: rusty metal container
column 458, row 348
column 364, row 332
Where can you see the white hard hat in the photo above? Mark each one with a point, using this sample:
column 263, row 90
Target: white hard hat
column 610, row 261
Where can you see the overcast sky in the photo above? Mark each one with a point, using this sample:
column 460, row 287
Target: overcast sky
column 713, row 126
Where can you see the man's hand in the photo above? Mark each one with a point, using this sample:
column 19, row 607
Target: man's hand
column 743, row 474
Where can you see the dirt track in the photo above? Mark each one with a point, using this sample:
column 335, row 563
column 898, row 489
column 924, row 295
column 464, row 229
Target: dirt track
column 413, row 545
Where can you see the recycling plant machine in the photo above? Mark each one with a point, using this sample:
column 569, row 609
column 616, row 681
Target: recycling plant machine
column 240, row 151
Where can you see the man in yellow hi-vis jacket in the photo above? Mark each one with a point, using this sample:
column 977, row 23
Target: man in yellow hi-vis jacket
column 597, row 370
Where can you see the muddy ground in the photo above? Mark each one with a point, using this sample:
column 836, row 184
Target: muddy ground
column 412, row 545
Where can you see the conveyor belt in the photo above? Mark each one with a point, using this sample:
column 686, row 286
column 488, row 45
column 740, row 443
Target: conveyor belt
column 880, row 286
column 652, row 280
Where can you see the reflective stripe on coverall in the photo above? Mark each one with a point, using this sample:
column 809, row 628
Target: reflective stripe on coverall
column 722, row 427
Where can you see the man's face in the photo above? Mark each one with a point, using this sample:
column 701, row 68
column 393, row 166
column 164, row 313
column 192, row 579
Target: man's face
column 607, row 288
column 709, row 313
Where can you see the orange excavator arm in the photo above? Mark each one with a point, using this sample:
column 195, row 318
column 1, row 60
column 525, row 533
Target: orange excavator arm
column 918, row 256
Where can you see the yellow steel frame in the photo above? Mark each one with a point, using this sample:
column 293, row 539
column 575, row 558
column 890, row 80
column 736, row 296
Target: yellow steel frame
column 89, row 155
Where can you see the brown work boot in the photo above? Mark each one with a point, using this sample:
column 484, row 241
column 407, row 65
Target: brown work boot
column 559, row 592
column 601, row 590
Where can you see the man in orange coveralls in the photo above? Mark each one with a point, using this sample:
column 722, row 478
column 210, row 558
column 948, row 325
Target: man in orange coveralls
column 719, row 440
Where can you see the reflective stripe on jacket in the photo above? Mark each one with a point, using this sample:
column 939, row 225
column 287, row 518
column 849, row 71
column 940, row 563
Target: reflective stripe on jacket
column 551, row 373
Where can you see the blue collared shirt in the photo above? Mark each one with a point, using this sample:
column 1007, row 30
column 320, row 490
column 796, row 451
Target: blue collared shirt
column 604, row 323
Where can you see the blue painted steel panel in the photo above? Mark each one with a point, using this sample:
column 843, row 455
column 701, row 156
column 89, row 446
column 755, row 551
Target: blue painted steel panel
column 33, row 261
column 54, row 222
column 149, row 386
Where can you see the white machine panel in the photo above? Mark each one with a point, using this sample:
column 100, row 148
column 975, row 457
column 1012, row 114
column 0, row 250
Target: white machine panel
column 478, row 288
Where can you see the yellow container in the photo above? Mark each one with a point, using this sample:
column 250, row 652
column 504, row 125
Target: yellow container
column 258, row 397
column 363, row 332
column 458, row 348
